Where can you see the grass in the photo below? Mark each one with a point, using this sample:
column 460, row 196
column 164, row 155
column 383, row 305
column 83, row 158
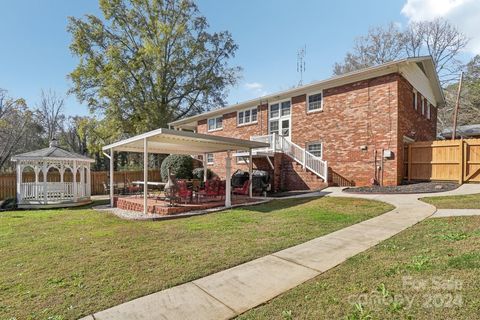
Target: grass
column 471, row 201
column 429, row 271
column 63, row 264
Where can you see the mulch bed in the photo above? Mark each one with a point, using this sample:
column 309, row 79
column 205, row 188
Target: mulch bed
column 420, row 187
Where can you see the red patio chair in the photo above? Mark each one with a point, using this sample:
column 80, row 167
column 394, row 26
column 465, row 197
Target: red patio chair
column 183, row 191
column 211, row 189
column 243, row 190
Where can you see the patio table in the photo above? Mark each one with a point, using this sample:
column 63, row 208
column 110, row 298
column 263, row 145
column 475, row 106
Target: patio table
column 150, row 183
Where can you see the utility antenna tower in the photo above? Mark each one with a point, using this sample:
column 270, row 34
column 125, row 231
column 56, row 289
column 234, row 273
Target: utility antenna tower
column 301, row 63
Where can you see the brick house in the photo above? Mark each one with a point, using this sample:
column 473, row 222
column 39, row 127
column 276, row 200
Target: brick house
column 357, row 125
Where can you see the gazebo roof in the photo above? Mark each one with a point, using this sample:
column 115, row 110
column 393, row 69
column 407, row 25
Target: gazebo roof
column 53, row 152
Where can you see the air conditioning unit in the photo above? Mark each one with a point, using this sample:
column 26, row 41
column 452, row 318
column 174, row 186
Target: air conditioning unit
column 387, row 154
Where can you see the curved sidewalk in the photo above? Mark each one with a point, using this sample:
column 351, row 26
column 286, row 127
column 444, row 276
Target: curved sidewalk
column 228, row 293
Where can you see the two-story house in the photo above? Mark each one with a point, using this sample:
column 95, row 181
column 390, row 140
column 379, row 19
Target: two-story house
column 347, row 130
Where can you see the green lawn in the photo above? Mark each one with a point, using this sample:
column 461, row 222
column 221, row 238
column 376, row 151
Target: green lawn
column 429, row 271
column 63, row 264
column 471, row 201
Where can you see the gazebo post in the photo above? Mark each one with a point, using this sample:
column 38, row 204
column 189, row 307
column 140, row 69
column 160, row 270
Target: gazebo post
column 45, row 191
column 19, row 181
column 112, row 153
column 145, row 175
column 250, row 171
column 205, row 167
column 228, row 192
column 75, row 187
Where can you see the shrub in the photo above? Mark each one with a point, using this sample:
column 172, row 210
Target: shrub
column 180, row 165
column 198, row 174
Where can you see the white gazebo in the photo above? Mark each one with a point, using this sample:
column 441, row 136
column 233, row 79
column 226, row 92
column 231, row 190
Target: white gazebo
column 168, row 141
column 52, row 177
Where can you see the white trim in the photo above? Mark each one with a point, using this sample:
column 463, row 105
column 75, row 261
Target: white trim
column 307, row 103
column 214, row 118
column 246, row 123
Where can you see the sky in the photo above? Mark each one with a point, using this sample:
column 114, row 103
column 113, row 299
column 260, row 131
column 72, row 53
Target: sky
column 35, row 55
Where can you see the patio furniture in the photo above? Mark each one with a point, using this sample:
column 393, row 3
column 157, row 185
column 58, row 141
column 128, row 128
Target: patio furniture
column 211, row 189
column 183, row 192
column 242, row 190
column 133, row 188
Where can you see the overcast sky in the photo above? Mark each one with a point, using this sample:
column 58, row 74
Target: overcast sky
column 34, row 43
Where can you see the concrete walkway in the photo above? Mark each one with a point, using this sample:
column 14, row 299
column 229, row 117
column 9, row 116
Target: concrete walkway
column 442, row 213
column 228, row 293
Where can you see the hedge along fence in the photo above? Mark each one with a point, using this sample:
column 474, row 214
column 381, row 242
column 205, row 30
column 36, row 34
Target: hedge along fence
column 8, row 182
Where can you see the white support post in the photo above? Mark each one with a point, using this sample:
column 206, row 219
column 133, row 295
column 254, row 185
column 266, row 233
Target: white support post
column 274, row 142
column 205, row 167
column 19, row 182
column 145, row 175
column 228, row 183
column 305, row 159
column 45, row 191
column 75, row 189
column 250, row 172
column 112, row 153
column 89, row 182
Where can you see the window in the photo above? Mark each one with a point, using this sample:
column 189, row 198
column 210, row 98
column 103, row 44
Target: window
column 315, row 148
column 247, row 116
column 285, row 108
column 429, row 107
column 274, row 111
column 241, row 160
column 415, row 97
column 210, row 158
column 274, row 126
column 315, row 102
column 215, row 123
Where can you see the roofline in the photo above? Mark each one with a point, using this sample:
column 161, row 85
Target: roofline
column 327, row 82
column 221, row 139
column 16, row 158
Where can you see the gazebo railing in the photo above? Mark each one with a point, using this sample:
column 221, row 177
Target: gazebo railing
column 54, row 191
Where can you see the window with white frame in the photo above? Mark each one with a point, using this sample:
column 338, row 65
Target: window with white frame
column 274, row 128
column 415, row 97
column 247, row 116
column 315, row 148
column 315, row 102
column 241, row 160
column 285, row 108
column 210, row 158
column 215, row 123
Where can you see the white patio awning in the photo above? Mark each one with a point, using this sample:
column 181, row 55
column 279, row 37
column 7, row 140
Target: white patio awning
column 182, row 142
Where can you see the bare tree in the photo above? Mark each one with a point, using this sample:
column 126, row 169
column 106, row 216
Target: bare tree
column 18, row 131
column 380, row 45
column 49, row 113
column 437, row 38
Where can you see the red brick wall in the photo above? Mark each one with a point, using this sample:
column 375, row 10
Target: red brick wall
column 375, row 113
column 411, row 122
column 363, row 113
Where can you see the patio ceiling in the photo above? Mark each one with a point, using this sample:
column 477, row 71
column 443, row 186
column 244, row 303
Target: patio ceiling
column 169, row 141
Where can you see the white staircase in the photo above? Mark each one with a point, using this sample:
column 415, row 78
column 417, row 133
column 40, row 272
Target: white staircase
column 300, row 155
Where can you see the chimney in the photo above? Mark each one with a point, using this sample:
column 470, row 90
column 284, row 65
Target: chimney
column 53, row 143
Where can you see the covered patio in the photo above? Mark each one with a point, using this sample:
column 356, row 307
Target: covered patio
column 167, row 141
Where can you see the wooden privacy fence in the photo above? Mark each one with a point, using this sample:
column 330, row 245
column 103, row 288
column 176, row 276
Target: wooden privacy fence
column 8, row 182
column 457, row 160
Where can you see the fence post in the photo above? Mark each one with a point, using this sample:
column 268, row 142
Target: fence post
column 461, row 163
column 409, row 163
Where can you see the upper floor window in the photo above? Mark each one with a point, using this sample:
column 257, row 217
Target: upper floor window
column 315, row 102
column 315, row 148
column 247, row 116
column 215, row 123
column 429, row 110
column 280, row 109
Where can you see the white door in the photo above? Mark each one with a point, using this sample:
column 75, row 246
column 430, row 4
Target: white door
column 279, row 119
